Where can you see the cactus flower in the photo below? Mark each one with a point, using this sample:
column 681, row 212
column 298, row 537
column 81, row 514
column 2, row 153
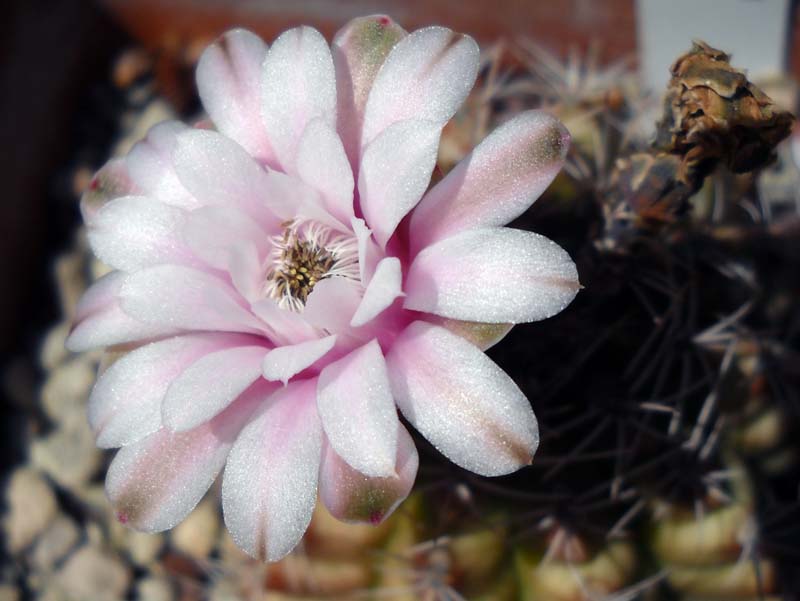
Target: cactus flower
column 284, row 281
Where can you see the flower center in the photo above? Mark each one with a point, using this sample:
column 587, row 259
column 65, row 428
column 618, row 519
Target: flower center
column 304, row 254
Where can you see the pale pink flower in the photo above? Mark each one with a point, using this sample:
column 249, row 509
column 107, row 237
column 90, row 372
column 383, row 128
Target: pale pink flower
column 285, row 282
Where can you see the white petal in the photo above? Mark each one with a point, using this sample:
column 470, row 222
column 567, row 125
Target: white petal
column 245, row 269
column 461, row 401
column 298, row 86
column 496, row 183
column 283, row 327
column 368, row 251
column 100, row 321
column 290, row 198
column 323, row 165
column 211, row 233
column 286, row 361
column 229, row 84
column 220, row 172
column 155, row 483
column 270, row 484
column 427, row 75
column 209, row 385
column 395, row 172
column 133, row 232
column 185, row 298
column 150, row 165
column 384, row 287
column 125, row 404
column 351, row 496
column 357, row 411
column 492, row 275
column 331, row 304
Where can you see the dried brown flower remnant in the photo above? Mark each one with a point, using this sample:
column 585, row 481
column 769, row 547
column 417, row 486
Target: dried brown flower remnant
column 712, row 115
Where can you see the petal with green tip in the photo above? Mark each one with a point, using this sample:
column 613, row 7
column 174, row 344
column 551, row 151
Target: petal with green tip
column 353, row 497
column 482, row 335
column 359, row 49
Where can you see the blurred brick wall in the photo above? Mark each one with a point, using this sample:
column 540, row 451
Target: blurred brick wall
column 555, row 25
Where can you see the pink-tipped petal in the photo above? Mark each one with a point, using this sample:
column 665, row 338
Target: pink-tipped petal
column 332, row 292
column 150, row 166
column 497, row 182
column 133, row 232
column 461, row 401
column 100, row 321
column 359, row 49
column 384, row 287
column 355, row 390
column 322, row 164
column 220, row 172
column 209, row 385
column 351, row 496
column 211, row 233
column 155, row 483
column 298, row 86
column 125, row 404
column 229, row 84
column 284, row 362
column 110, row 182
column 395, row 172
column 492, row 275
column 187, row 298
column 427, row 75
column 270, row 484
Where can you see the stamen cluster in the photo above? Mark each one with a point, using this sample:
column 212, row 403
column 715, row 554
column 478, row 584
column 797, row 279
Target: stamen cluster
column 301, row 257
